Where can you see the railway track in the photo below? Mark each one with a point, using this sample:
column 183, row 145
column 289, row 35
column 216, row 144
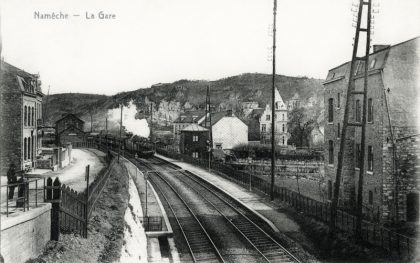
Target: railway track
column 199, row 242
column 238, row 217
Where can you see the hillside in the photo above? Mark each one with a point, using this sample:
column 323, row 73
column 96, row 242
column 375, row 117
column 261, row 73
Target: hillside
column 169, row 99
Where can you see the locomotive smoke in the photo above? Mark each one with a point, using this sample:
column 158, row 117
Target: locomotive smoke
column 138, row 127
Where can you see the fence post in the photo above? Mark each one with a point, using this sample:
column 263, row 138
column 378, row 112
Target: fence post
column 55, row 195
column 86, row 202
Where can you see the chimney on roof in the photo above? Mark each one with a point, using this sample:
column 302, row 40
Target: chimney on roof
column 377, row 48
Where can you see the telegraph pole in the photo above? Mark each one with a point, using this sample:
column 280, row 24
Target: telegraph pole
column 119, row 148
column 273, row 138
column 151, row 125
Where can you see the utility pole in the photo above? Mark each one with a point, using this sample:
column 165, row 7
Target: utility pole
column 207, row 123
column 119, row 148
column 350, row 93
column 273, row 127
column 151, row 125
column 364, row 123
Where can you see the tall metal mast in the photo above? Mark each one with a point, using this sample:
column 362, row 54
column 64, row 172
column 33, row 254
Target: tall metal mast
column 273, row 127
column 351, row 92
column 207, row 123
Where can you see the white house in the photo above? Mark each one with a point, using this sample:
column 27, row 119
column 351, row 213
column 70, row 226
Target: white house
column 280, row 116
column 228, row 130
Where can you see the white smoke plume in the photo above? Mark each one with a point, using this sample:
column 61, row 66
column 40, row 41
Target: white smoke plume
column 138, row 127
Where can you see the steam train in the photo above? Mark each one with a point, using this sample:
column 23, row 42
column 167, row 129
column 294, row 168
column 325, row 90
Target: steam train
column 143, row 148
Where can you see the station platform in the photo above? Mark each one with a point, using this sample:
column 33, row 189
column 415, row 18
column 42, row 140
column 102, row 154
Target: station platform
column 271, row 212
column 154, row 209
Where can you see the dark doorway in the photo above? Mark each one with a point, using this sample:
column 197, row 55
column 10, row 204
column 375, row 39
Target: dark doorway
column 412, row 207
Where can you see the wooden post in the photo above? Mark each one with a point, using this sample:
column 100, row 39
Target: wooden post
column 86, row 202
column 55, row 194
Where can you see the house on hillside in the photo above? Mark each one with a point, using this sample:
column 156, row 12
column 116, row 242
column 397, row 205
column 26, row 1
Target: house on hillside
column 193, row 141
column 253, row 122
column 294, row 102
column 21, row 115
column 69, row 129
column 390, row 184
column 227, row 130
column 281, row 112
column 184, row 120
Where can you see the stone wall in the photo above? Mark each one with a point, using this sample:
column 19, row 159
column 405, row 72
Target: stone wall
column 10, row 123
column 24, row 235
column 401, row 177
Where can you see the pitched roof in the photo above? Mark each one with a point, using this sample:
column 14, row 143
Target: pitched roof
column 68, row 115
column 194, row 127
column 20, row 79
column 190, row 116
column 398, row 65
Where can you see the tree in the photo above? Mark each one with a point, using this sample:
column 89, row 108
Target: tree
column 300, row 127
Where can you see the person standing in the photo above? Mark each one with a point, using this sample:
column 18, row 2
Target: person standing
column 11, row 179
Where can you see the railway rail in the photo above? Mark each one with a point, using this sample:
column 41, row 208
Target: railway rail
column 199, row 242
column 239, row 218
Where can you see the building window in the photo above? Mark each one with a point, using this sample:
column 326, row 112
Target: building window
column 283, row 139
column 370, row 110
column 218, row 146
column 373, row 63
column 330, row 110
column 338, row 100
column 283, row 117
column 358, row 111
column 267, row 117
column 370, row 197
column 263, row 128
column 195, row 155
column 25, row 115
column 357, row 155
column 370, row 158
column 195, row 138
column 283, row 127
column 33, row 116
column 29, row 148
column 24, row 149
column 330, row 152
column 338, row 130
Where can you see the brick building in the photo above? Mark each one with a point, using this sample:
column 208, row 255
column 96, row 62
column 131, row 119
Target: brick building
column 390, row 191
column 193, row 141
column 281, row 118
column 21, row 112
column 184, row 120
column 69, row 129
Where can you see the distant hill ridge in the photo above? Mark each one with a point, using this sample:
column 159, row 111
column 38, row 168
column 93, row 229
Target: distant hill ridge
column 171, row 98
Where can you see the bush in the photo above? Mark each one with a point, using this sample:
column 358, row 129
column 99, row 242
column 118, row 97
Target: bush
column 262, row 151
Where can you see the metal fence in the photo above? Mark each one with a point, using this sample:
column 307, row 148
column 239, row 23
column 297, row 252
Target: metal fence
column 72, row 210
column 152, row 223
column 372, row 233
column 23, row 194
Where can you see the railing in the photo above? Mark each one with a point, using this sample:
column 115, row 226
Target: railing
column 29, row 192
column 72, row 210
column 372, row 233
column 152, row 223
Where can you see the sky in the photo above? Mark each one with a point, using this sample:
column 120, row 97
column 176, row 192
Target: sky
column 157, row 41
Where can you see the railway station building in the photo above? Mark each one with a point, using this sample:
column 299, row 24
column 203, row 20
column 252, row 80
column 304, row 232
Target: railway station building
column 390, row 184
column 69, row 129
column 21, row 115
